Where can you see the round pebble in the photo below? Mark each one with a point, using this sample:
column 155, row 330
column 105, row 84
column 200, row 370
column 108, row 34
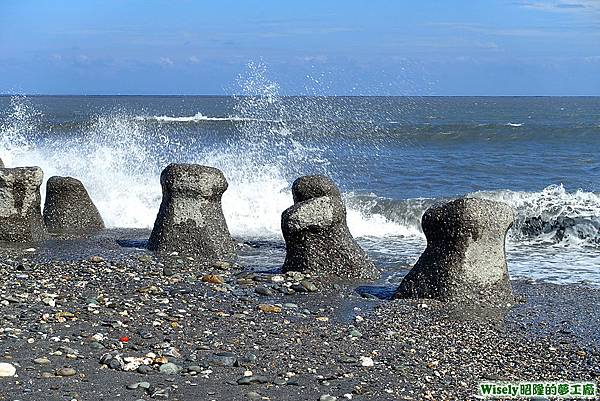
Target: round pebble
column 66, row 372
column 7, row 370
column 169, row 368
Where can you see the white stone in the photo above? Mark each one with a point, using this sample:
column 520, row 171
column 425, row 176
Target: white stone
column 366, row 361
column 7, row 370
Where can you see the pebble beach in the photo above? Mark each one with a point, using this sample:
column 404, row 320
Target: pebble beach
column 88, row 319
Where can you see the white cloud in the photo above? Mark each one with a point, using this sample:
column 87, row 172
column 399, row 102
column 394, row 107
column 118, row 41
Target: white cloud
column 563, row 6
column 541, row 31
column 166, row 61
column 194, row 60
column 314, row 59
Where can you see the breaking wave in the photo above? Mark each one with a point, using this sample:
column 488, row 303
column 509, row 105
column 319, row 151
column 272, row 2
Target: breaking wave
column 552, row 216
column 119, row 160
column 199, row 117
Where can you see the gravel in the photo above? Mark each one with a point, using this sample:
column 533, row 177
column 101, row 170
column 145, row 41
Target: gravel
column 116, row 321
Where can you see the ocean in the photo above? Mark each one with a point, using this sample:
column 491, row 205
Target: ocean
column 392, row 157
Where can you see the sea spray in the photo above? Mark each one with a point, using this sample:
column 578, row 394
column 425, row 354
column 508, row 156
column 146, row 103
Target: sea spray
column 18, row 126
column 119, row 156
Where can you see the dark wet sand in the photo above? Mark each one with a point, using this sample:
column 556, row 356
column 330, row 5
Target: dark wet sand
column 311, row 347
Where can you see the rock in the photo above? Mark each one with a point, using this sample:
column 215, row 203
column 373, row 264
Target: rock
column 465, row 258
column 1, row 164
column 355, row 333
column 298, row 288
column 105, row 358
column 69, row 209
column 41, row 361
column 222, row 265
column 96, row 346
column 245, row 380
column 190, row 219
column 145, row 258
column 66, row 372
column 253, row 395
column 268, row 308
column 347, row 359
column 116, row 363
column 158, row 392
column 246, row 360
column 7, row 370
column 20, row 200
column 144, row 369
column 316, row 234
column 222, row 359
column 308, row 286
column 327, row 397
column 169, row 368
column 262, row 290
column 366, row 361
column 195, row 368
column 136, row 385
column 213, row 279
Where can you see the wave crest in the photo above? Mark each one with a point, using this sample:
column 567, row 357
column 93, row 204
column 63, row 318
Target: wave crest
column 199, row 117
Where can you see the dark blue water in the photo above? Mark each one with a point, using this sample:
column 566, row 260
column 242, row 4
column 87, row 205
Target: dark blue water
column 392, row 156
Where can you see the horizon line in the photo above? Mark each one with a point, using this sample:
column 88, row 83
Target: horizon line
column 239, row 95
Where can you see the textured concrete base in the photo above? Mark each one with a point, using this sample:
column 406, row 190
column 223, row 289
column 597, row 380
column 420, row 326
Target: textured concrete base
column 68, row 207
column 317, row 236
column 20, row 214
column 190, row 220
column 465, row 258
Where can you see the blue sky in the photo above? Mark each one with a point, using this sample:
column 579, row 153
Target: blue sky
column 375, row 47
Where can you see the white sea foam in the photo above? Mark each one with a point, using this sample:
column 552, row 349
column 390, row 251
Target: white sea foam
column 553, row 216
column 514, row 124
column 199, row 117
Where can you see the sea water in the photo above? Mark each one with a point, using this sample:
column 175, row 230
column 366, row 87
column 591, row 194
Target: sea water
column 392, row 157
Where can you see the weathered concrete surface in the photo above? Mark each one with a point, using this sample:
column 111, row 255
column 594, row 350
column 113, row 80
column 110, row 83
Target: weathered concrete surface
column 69, row 208
column 190, row 219
column 316, row 233
column 314, row 186
column 465, row 257
column 20, row 204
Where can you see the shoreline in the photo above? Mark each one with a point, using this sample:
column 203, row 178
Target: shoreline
column 67, row 310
